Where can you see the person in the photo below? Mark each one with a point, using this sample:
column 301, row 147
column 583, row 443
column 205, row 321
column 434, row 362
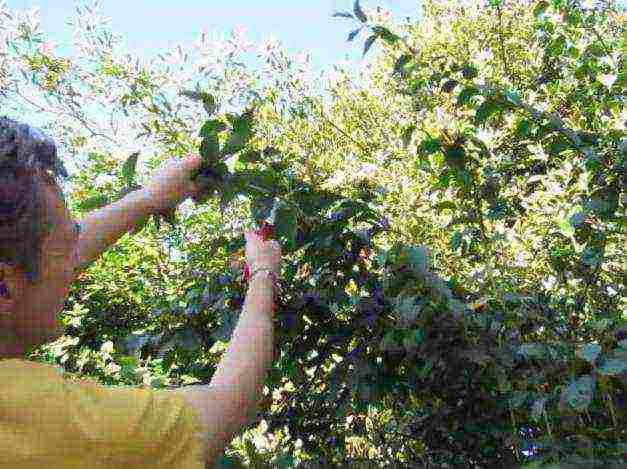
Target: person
column 47, row 419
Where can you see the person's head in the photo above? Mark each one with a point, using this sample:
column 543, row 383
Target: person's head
column 38, row 235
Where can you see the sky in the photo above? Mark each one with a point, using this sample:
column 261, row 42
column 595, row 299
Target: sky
column 151, row 26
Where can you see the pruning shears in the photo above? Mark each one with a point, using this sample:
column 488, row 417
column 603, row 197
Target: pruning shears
column 265, row 231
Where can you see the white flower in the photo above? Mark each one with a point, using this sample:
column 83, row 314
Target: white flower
column 549, row 283
column 608, row 80
column 367, row 170
column 104, row 179
column 107, row 347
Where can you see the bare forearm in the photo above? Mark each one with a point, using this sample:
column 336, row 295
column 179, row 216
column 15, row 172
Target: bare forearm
column 102, row 228
column 246, row 362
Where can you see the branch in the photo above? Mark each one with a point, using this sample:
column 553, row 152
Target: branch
column 556, row 122
column 344, row 133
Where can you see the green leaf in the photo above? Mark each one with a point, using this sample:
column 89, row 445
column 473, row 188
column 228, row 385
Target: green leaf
column 455, row 156
column 579, row 393
column 353, row 34
column 129, row 169
column 593, row 256
column 209, row 103
column 517, row 399
column 92, row 203
column 210, row 149
column 407, row 135
column 523, row 128
column 211, row 127
column 286, row 225
column 385, row 34
column 227, row 326
column 589, row 352
column 359, row 13
column 469, row 72
column 613, row 367
column 456, row 241
column 413, row 339
column 390, row 343
column 540, row 8
column 449, row 86
column 241, row 134
column 466, row 95
column 485, row 111
column 369, row 42
column 430, row 146
column 532, row 350
column 513, row 98
column 401, row 62
column 416, row 258
column 407, row 309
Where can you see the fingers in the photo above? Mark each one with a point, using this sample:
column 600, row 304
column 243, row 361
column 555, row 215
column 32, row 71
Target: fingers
column 192, row 161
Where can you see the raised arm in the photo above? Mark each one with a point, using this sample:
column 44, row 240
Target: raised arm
column 231, row 400
column 102, row 228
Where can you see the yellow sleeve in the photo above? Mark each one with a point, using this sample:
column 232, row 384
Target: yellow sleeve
column 47, row 420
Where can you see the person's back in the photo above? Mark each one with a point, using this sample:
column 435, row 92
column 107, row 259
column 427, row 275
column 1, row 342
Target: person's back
column 48, row 419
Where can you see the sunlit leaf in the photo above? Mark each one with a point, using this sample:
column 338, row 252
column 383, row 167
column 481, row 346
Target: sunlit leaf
column 407, row 135
column 430, row 145
column 95, row 202
column 485, row 111
column 540, row 8
column 589, row 352
column 385, row 34
column 129, row 169
column 401, row 62
column 466, row 95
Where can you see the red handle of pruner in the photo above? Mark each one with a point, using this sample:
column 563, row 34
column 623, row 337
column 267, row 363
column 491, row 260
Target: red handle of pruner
column 265, row 232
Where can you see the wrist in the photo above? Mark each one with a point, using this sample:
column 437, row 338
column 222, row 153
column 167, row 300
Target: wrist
column 266, row 278
column 154, row 200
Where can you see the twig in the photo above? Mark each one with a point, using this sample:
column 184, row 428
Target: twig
column 508, row 71
column 344, row 133
column 555, row 121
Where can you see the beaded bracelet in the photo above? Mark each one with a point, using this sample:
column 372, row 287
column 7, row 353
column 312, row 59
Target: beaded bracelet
column 273, row 277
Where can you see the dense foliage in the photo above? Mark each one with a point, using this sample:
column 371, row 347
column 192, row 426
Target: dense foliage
column 453, row 222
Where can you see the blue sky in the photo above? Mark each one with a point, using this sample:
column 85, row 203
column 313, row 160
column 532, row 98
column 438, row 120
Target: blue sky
column 150, row 26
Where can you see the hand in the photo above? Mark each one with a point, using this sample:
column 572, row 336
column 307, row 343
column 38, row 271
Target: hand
column 262, row 254
column 172, row 182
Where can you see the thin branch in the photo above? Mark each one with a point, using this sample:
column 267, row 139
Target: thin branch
column 344, row 133
column 506, row 65
column 556, row 122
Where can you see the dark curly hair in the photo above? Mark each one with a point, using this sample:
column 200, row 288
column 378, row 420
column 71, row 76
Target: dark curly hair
column 28, row 160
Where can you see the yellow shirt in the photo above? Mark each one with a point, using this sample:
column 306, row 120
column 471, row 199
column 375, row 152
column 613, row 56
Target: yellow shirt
column 48, row 421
